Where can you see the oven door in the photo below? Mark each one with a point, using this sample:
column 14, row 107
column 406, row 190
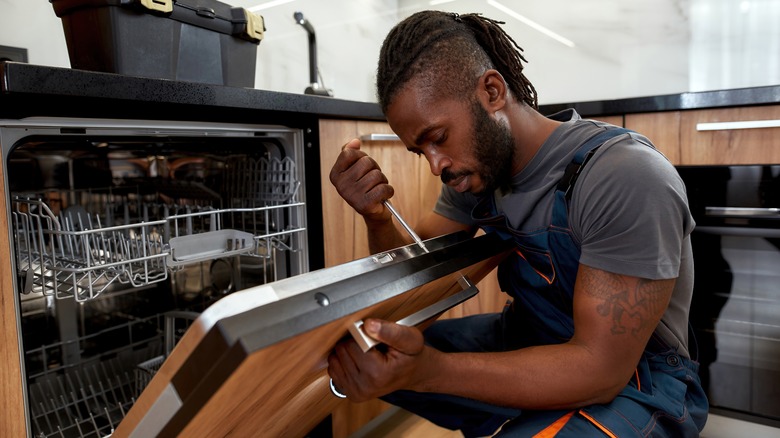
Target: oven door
column 736, row 302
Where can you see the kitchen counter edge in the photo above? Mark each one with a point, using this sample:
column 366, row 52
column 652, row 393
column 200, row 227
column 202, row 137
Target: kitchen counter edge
column 766, row 95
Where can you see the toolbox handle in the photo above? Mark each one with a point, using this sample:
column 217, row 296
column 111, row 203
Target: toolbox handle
column 206, row 12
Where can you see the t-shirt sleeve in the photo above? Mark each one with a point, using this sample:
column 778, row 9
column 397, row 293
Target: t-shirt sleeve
column 630, row 211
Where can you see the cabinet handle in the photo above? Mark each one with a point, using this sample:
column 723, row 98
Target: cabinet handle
column 745, row 212
column 379, row 137
column 747, row 124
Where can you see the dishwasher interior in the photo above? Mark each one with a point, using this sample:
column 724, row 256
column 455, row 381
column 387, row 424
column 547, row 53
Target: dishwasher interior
column 122, row 233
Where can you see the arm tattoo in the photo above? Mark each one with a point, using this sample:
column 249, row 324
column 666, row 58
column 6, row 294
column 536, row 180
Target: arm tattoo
column 630, row 308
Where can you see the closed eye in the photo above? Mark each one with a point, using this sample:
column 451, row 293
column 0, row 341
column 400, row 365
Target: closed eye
column 439, row 140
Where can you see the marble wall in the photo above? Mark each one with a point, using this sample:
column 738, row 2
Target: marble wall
column 620, row 49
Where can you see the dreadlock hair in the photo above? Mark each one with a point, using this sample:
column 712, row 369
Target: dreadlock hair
column 449, row 52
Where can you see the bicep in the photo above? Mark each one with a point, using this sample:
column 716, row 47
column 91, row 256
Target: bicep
column 615, row 315
column 433, row 225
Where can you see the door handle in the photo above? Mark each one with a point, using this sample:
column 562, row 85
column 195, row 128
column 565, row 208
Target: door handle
column 469, row 290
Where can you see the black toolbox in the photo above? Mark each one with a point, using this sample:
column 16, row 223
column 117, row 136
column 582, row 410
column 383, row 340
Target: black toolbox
column 190, row 40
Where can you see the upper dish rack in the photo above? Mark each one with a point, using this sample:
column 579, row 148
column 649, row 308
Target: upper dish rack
column 96, row 239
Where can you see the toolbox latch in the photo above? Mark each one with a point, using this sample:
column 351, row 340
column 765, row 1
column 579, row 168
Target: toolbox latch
column 255, row 26
column 165, row 6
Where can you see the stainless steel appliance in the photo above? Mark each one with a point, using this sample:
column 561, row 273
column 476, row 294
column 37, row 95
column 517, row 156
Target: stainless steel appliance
column 123, row 232
column 736, row 303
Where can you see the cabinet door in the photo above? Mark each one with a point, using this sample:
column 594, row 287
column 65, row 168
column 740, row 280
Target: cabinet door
column 416, row 189
column 340, row 222
column 745, row 135
column 661, row 128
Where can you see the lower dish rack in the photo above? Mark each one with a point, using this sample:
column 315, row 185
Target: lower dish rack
column 90, row 397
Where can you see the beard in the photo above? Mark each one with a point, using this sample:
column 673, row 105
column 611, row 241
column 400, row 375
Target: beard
column 493, row 147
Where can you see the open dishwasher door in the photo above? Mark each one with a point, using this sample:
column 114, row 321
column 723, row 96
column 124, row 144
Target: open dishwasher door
column 255, row 363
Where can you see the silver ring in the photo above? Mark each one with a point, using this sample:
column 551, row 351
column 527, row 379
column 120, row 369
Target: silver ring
column 336, row 391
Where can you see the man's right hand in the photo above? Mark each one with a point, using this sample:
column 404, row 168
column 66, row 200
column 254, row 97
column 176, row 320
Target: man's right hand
column 360, row 181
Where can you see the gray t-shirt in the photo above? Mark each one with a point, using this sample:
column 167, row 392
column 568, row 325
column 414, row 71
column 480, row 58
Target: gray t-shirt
column 628, row 211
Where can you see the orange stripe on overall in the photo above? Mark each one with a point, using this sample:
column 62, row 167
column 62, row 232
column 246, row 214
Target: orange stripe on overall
column 546, row 278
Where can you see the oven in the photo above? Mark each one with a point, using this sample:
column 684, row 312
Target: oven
column 122, row 232
column 736, row 301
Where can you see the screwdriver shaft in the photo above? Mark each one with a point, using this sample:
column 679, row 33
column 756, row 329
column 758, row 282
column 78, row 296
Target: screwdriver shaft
column 406, row 226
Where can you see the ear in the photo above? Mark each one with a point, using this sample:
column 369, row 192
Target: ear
column 492, row 90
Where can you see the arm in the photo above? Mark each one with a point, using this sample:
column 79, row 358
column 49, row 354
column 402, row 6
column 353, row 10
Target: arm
column 360, row 181
column 614, row 316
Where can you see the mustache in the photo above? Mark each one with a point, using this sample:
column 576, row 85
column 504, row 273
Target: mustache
column 447, row 175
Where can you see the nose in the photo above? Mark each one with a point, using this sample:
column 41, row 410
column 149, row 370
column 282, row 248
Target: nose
column 438, row 163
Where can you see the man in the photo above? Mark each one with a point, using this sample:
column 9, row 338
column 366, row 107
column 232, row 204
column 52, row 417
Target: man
column 595, row 342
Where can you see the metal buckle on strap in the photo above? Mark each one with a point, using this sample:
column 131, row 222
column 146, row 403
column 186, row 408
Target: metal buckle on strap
column 572, row 172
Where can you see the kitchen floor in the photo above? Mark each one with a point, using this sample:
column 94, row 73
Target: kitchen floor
column 396, row 423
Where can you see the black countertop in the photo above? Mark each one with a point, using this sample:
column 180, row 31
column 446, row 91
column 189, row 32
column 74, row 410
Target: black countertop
column 672, row 102
column 32, row 90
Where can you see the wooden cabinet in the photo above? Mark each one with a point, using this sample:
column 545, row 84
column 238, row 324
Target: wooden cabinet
column 661, row 128
column 416, row 191
column 739, row 135
column 744, row 135
column 614, row 120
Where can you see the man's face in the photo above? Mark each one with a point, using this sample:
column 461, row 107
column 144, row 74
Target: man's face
column 465, row 146
column 494, row 148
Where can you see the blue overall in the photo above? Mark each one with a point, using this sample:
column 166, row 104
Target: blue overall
column 664, row 398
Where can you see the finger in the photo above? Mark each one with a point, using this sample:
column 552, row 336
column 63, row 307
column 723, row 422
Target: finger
column 347, row 355
column 352, row 144
column 407, row 340
column 335, row 368
column 342, row 368
column 345, row 160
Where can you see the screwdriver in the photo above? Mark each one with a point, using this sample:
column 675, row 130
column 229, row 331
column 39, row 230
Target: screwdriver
column 406, row 226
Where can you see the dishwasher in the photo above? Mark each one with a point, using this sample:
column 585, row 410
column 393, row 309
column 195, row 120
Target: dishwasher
column 122, row 233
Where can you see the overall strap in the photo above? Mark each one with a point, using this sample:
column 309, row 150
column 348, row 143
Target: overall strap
column 584, row 153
